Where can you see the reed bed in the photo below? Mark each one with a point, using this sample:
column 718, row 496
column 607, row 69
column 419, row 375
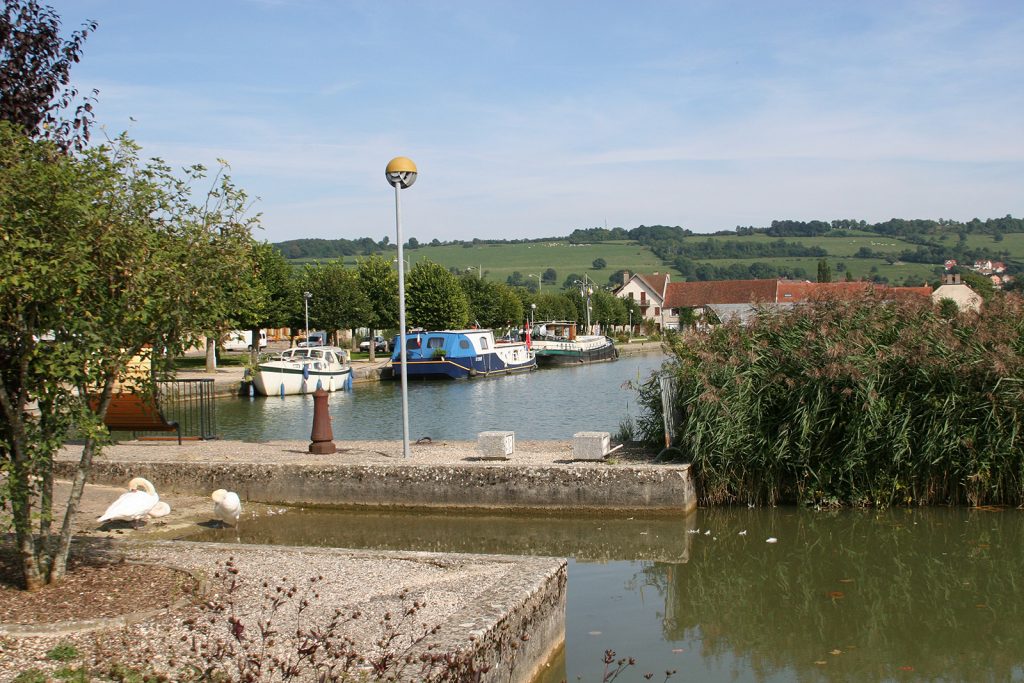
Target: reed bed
column 864, row 402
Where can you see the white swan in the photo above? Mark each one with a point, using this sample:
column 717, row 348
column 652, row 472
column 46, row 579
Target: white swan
column 133, row 505
column 161, row 509
column 226, row 506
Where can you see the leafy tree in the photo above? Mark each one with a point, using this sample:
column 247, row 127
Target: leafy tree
column 35, row 65
column 824, row 271
column 338, row 302
column 516, row 279
column 550, row 276
column 599, row 263
column 434, row 299
column 379, row 283
column 979, row 283
column 101, row 255
column 274, row 291
column 491, row 304
column 413, row 243
column 572, row 280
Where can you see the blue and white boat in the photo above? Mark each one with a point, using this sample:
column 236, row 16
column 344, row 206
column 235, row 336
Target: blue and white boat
column 461, row 353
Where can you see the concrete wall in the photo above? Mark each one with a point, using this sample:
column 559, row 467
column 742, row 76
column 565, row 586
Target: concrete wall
column 659, row 488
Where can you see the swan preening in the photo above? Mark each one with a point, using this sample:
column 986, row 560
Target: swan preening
column 161, row 509
column 226, row 506
column 138, row 502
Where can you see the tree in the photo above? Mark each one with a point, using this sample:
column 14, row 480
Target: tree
column 338, row 302
column 491, row 304
column 35, row 65
column 274, row 290
column 434, row 299
column 824, row 271
column 101, row 255
column 599, row 263
column 572, row 280
column 550, row 276
column 379, row 283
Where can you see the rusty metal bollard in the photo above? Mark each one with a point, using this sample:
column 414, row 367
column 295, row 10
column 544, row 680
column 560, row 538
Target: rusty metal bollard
column 322, row 437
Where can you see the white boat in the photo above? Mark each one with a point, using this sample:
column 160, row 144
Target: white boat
column 303, row 371
column 556, row 343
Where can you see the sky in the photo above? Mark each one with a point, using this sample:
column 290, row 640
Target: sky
column 531, row 119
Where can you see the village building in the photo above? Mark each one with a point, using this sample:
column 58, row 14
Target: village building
column 955, row 290
column 648, row 291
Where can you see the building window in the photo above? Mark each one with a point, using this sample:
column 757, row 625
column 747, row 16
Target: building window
column 657, row 311
column 631, row 297
column 643, row 297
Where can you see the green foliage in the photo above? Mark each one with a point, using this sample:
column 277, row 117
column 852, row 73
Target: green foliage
column 378, row 280
column 434, row 299
column 859, row 402
column 824, row 271
column 338, row 302
column 599, row 263
column 491, row 304
column 31, row 676
column 64, row 652
column 108, row 257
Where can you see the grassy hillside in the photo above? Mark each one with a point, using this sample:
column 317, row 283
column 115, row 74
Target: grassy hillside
column 498, row 261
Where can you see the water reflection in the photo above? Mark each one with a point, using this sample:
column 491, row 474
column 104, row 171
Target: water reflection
column 848, row 596
column 546, row 404
column 586, row 538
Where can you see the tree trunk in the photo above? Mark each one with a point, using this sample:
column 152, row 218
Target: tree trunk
column 254, row 354
column 211, row 353
column 59, row 559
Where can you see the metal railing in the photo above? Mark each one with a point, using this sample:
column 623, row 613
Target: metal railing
column 191, row 404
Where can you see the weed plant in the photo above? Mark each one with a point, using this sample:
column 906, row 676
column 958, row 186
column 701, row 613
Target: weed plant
column 864, row 402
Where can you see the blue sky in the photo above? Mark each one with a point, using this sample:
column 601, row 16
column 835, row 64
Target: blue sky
column 530, row 119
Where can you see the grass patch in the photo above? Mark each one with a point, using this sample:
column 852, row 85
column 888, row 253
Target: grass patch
column 63, row 652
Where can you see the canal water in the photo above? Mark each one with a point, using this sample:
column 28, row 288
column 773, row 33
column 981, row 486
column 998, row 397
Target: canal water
column 896, row 595
column 545, row 404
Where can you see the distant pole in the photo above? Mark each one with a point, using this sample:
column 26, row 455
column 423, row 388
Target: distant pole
column 480, row 272
column 307, row 296
column 401, row 174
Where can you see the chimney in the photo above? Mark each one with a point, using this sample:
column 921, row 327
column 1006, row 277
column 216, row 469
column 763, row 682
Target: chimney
column 625, row 277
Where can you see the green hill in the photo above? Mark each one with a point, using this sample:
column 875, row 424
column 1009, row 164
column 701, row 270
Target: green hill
column 897, row 251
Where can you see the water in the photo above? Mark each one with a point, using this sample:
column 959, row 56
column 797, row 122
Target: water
column 546, row 404
column 900, row 595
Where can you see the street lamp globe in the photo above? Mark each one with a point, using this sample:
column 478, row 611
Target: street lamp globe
column 401, row 172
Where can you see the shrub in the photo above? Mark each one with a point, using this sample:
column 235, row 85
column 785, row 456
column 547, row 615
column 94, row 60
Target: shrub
column 863, row 402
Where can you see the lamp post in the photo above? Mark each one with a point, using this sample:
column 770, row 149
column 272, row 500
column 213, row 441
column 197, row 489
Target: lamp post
column 540, row 283
column 533, row 308
column 631, row 323
column 307, row 296
column 401, row 174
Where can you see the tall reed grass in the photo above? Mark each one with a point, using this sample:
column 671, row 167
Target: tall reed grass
column 852, row 402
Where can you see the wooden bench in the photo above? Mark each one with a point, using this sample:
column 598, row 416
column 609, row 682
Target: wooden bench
column 138, row 412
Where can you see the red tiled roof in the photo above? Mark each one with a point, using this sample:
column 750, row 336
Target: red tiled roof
column 696, row 294
column 656, row 281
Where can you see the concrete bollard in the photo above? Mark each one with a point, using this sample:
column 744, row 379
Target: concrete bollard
column 322, row 437
column 590, row 445
column 496, row 445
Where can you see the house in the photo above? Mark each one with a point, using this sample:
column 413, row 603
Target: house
column 952, row 288
column 648, row 291
column 743, row 298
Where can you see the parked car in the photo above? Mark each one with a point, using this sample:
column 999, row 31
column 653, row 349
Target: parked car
column 315, row 339
column 380, row 344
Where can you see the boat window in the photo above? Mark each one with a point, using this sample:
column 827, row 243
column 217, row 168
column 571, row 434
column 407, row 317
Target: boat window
column 483, row 342
column 317, row 354
column 463, row 343
column 435, row 342
column 330, row 357
column 412, row 343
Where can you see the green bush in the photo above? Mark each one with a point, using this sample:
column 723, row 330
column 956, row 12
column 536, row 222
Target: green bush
column 63, row 652
column 867, row 402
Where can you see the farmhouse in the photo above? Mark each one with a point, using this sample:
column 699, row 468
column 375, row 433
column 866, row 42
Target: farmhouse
column 648, row 291
column 729, row 299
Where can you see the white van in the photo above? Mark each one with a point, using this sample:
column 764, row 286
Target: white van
column 241, row 340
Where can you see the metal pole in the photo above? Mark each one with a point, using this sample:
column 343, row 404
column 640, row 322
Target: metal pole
column 401, row 328
column 305, row 297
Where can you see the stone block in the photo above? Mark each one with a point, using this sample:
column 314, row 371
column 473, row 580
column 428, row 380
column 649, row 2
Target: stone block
column 590, row 445
column 496, row 445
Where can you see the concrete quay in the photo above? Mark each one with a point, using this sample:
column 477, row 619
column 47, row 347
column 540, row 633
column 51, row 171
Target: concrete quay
column 539, row 476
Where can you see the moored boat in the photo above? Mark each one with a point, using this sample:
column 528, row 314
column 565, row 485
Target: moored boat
column 457, row 354
column 556, row 343
column 303, row 371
